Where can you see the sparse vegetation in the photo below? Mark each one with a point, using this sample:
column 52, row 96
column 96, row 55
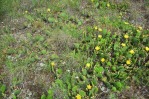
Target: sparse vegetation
column 73, row 49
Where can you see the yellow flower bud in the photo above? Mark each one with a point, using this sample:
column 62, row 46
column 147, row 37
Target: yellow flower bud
column 48, row 10
column 126, row 23
column 99, row 36
column 88, row 65
column 108, row 5
column 99, row 29
column 26, row 11
column 95, row 27
column 147, row 49
column 52, row 63
column 140, row 28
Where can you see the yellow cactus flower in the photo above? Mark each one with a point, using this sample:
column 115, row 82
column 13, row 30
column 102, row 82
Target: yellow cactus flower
column 126, row 36
column 97, row 48
column 102, row 60
column 128, row 62
column 123, row 44
column 78, row 96
column 99, row 36
column 52, row 63
column 147, row 49
column 88, row 65
column 48, row 10
column 131, row 51
column 89, row 87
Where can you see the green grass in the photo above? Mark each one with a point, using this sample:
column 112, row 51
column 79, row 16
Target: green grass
column 75, row 49
column 5, row 7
